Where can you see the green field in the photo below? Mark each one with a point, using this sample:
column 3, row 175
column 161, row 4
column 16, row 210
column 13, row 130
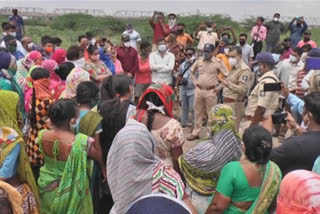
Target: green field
column 69, row 27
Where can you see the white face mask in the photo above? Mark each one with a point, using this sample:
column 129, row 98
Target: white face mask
column 293, row 58
column 13, row 34
column 209, row 29
column 226, row 51
column 79, row 63
column 126, row 44
column 30, row 45
column 275, row 19
column 172, row 22
column 162, row 48
column 232, row 61
column 191, row 59
column 93, row 41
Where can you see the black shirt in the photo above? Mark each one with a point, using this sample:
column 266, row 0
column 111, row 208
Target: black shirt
column 297, row 152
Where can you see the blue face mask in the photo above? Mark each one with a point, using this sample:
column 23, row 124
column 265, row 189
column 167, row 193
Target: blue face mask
column 276, row 57
column 256, row 70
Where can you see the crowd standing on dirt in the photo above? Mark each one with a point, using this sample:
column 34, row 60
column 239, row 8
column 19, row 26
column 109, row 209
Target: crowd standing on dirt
column 96, row 128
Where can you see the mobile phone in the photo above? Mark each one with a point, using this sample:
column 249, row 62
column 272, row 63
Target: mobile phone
column 272, row 86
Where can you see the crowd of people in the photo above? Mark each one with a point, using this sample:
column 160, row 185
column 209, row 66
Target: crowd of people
column 93, row 129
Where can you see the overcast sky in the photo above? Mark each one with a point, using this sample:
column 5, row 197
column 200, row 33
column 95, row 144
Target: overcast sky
column 235, row 8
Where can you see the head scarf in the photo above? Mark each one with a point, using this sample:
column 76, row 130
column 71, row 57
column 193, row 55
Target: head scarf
column 299, row 193
column 158, row 203
column 220, row 118
column 42, row 90
column 9, row 104
column 164, row 92
column 5, row 60
column 51, row 66
column 202, row 164
column 13, row 196
column 130, row 165
column 34, row 55
column 76, row 76
column 59, row 56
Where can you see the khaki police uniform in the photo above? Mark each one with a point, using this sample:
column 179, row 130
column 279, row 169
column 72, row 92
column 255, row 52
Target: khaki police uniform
column 206, row 84
column 268, row 100
column 238, row 85
column 315, row 81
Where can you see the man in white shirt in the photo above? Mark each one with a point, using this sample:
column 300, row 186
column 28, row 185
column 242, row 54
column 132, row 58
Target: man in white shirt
column 162, row 64
column 288, row 69
column 134, row 36
column 206, row 36
column 247, row 50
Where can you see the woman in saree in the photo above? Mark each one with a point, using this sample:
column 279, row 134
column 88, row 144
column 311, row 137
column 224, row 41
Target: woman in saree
column 201, row 165
column 10, row 199
column 59, row 56
column 299, row 193
column 8, row 68
column 57, row 86
column 76, row 76
column 251, row 184
column 40, row 102
column 95, row 67
column 64, row 182
column 135, row 171
column 24, row 65
column 14, row 164
column 115, row 109
column 155, row 111
column 90, row 125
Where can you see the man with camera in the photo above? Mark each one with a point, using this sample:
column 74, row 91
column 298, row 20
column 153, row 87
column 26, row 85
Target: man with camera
column 187, row 87
column 236, row 86
column 159, row 27
column 300, row 152
column 263, row 102
column 206, row 84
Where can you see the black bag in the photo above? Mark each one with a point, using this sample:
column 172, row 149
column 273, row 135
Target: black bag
column 184, row 81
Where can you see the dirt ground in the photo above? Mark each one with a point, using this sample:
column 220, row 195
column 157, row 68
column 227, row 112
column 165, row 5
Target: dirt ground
column 205, row 132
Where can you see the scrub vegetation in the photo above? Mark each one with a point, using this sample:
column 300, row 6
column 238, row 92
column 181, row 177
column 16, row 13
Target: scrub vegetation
column 69, row 27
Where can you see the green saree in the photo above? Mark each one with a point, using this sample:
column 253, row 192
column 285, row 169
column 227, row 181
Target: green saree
column 9, row 117
column 64, row 186
column 268, row 191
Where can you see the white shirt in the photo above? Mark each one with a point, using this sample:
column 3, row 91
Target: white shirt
column 19, row 47
column 206, row 37
column 134, row 38
column 161, row 67
column 288, row 73
column 247, row 52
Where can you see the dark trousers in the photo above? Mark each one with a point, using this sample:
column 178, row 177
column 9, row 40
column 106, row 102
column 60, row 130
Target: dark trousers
column 257, row 47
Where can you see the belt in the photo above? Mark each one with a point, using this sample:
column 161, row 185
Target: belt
column 229, row 100
column 208, row 88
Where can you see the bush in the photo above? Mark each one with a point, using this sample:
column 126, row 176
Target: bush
column 69, row 27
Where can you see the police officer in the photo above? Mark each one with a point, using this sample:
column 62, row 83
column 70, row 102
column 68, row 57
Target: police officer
column 206, row 84
column 236, row 86
column 262, row 104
